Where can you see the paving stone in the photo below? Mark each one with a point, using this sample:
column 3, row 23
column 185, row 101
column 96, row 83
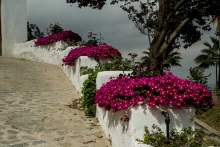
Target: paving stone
column 33, row 108
column 19, row 145
column 60, row 132
column 29, row 137
column 5, row 142
column 12, row 132
column 39, row 142
column 59, row 139
column 12, row 137
column 2, row 133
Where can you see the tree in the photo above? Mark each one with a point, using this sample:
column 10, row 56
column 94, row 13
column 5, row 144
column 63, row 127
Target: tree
column 54, row 28
column 93, row 40
column 169, row 22
column 197, row 76
column 171, row 58
column 216, row 19
column 33, row 31
column 210, row 56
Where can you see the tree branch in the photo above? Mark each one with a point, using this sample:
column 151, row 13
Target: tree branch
column 159, row 31
column 173, row 36
column 178, row 5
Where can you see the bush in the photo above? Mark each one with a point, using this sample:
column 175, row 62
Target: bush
column 64, row 36
column 54, row 28
column 88, row 91
column 98, row 52
column 125, row 92
column 186, row 138
column 89, row 85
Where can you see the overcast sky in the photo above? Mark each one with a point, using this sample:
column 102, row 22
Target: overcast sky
column 117, row 30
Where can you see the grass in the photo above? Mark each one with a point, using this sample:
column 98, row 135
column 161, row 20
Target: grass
column 211, row 118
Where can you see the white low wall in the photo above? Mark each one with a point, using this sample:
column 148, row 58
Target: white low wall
column 74, row 73
column 46, row 54
column 104, row 76
column 124, row 134
column 53, row 54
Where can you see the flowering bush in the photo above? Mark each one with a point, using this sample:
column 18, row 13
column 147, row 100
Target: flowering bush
column 186, row 138
column 65, row 36
column 89, row 85
column 93, row 40
column 100, row 52
column 124, row 92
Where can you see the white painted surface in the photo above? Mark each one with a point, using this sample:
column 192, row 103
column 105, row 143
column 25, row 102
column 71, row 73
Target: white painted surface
column 46, row 54
column 104, row 76
column 14, row 24
column 61, row 55
column 64, row 53
column 53, row 54
column 124, row 134
column 74, row 72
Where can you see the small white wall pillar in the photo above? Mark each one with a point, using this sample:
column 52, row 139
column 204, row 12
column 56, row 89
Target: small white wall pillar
column 14, row 24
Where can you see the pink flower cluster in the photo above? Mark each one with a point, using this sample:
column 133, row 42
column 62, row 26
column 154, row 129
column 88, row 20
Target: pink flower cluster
column 124, row 92
column 101, row 52
column 64, row 36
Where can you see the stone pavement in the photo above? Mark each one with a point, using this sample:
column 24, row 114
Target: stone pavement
column 34, row 112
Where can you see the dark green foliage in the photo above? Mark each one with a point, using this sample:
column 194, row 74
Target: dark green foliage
column 170, row 58
column 186, row 138
column 33, row 31
column 197, row 76
column 54, row 28
column 210, row 56
column 88, row 91
column 89, row 85
column 88, row 71
column 93, row 40
column 117, row 64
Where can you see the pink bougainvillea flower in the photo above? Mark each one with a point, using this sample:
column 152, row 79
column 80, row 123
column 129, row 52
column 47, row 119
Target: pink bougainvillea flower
column 63, row 36
column 101, row 52
column 124, row 92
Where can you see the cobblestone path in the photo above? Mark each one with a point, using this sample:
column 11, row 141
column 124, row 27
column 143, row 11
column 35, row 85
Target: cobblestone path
column 33, row 111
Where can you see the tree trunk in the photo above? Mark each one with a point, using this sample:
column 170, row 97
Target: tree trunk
column 163, row 38
column 160, row 44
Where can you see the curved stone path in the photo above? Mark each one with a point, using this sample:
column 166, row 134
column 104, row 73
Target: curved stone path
column 33, row 111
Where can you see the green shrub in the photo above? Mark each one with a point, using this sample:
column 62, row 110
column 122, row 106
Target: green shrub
column 89, row 85
column 186, row 138
column 88, row 91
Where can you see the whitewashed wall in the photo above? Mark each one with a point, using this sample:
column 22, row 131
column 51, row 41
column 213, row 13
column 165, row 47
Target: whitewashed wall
column 124, row 134
column 46, row 54
column 74, row 73
column 53, row 54
column 14, row 24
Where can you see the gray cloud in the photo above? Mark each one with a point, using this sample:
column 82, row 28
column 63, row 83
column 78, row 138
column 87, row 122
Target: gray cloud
column 113, row 23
